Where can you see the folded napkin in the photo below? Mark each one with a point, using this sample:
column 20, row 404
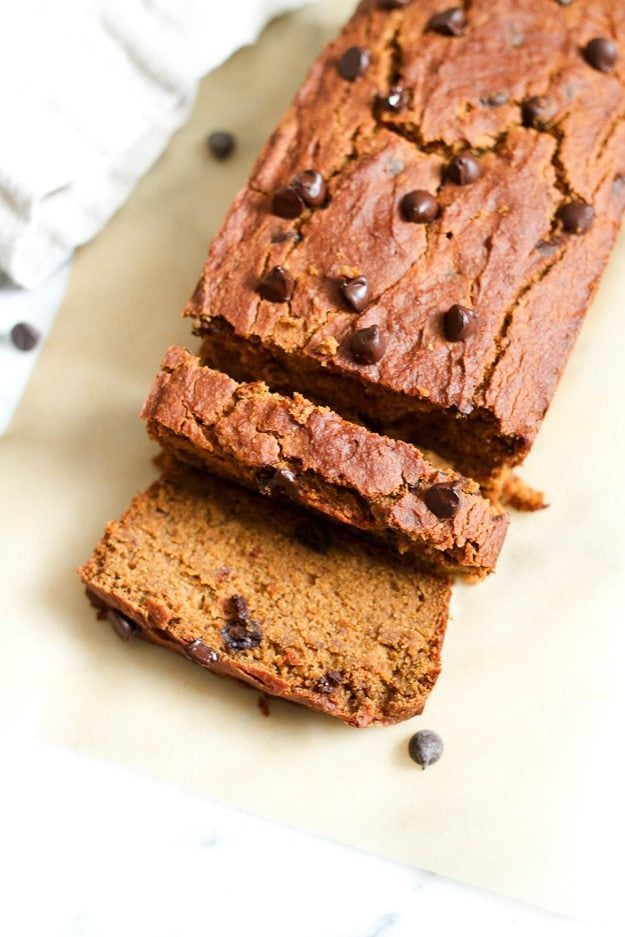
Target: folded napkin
column 98, row 88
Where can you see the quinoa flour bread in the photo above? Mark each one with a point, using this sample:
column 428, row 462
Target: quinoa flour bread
column 265, row 594
column 421, row 237
column 289, row 447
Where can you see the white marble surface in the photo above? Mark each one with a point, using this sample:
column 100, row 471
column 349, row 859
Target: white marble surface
column 93, row 851
column 37, row 307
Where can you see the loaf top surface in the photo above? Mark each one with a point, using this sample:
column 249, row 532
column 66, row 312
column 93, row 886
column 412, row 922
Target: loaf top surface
column 287, row 445
column 540, row 113
column 222, row 575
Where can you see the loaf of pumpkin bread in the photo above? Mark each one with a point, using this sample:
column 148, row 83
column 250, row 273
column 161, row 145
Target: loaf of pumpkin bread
column 421, row 237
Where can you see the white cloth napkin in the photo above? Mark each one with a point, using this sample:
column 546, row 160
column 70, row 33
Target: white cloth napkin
column 93, row 90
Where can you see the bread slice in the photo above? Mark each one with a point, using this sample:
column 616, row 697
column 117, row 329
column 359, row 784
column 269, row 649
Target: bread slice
column 287, row 446
column 249, row 589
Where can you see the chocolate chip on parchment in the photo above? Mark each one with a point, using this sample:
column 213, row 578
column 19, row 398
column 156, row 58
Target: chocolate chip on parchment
column 221, row 144
column 425, row 747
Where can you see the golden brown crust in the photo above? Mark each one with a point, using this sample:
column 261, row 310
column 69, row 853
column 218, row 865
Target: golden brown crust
column 498, row 247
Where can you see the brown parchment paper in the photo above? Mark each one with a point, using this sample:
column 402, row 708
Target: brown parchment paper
column 527, row 798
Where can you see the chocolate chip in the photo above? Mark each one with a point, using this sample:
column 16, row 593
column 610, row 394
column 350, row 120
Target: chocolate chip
column 356, row 292
column 564, row 3
column 24, row 336
column 367, row 345
column 277, row 285
column 281, row 237
column 241, row 632
column 393, row 4
column 442, row 500
column 577, row 217
column 425, row 747
column 328, row 683
column 420, row 207
column 311, row 187
column 273, row 481
column 200, row 653
column 314, row 536
column 221, row 144
column 601, row 54
column 618, row 183
column 458, row 323
column 548, row 248
column 395, row 100
column 538, row 112
column 463, row 169
column 450, row 22
column 354, row 63
column 287, row 202
column 124, row 627
column 498, row 99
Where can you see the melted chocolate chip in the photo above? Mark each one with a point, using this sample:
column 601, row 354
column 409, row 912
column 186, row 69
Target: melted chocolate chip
column 311, row 187
column 124, row 627
column 442, row 500
column 395, row 101
column 315, row 536
column 24, row 336
column 577, row 217
column 498, row 99
column 354, row 63
column 328, row 683
column 420, row 207
column 281, row 237
column 463, row 169
column 356, row 292
column 287, row 202
column 538, row 112
column 277, row 285
column 458, row 323
column 601, row 54
column 425, row 747
column 241, row 632
column 367, row 345
column 273, row 481
column 200, row 653
column 393, row 4
column 221, row 144
column 450, row 22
